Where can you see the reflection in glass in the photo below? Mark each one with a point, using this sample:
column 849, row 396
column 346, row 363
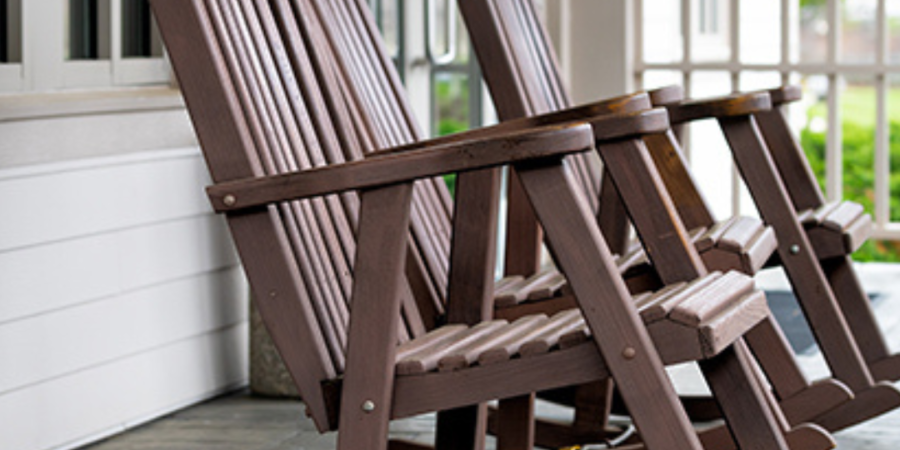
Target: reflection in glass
column 760, row 32
column 4, row 32
column 140, row 39
column 711, row 39
column 814, row 31
column 755, row 81
column 858, row 31
column 893, row 26
column 88, row 29
column 662, row 39
column 810, row 118
column 653, row 79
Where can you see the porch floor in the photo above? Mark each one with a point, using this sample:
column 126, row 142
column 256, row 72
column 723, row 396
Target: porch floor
column 241, row 421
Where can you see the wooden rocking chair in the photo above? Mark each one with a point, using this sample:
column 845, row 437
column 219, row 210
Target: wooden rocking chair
column 522, row 74
column 816, row 239
column 251, row 72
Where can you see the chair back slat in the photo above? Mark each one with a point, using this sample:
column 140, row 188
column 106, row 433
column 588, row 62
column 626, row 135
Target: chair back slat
column 369, row 86
column 235, row 20
column 240, row 117
column 522, row 73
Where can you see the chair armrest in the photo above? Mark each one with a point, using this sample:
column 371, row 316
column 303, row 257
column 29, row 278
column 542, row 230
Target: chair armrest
column 615, row 127
column 391, row 168
column 721, row 107
column 617, row 105
column 668, row 95
column 785, row 94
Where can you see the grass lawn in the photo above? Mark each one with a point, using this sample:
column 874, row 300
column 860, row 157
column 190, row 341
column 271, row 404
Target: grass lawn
column 858, row 106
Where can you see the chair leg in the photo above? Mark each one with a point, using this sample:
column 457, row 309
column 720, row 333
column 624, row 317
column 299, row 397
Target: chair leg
column 818, row 301
column 730, row 376
column 858, row 310
column 582, row 254
column 516, row 423
column 799, row 399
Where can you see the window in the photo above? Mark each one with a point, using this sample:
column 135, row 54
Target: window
column 443, row 71
column 83, row 44
column 842, row 52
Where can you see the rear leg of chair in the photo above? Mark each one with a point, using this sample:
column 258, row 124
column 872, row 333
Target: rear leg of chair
column 857, row 309
column 799, row 399
column 732, row 381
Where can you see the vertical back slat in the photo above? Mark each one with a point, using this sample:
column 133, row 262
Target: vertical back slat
column 261, row 238
column 258, row 106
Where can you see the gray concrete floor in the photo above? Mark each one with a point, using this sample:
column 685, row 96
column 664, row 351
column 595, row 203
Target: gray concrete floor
column 240, row 421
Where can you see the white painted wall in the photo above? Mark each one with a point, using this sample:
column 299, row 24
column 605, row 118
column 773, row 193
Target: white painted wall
column 121, row 298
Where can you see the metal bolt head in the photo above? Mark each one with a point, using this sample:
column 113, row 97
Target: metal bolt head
column 795, row 249
column 629, row 353
column 368, row 406
column 229, row 200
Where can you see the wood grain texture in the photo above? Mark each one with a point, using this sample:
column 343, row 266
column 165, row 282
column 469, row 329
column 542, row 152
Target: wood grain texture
column 390, row 169
column 731, row 106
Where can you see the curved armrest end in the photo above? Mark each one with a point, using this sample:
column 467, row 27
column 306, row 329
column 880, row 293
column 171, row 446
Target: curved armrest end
column 667, row 95
column 624, row 126
column 785, row 94
column 716, row 108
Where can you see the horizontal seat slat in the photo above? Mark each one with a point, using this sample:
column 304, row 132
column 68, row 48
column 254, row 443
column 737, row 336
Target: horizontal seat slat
column 427, row 360
column 844, row 214
column 818, row 215
column 467, row 354
column 739, row 235
column 709, row 301
column 561, row 323
column 662, row 304
column 712, row 235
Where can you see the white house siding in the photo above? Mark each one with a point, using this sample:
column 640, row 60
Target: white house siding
column 121, row 298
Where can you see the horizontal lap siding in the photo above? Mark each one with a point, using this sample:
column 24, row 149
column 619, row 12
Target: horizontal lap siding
column 121, row 297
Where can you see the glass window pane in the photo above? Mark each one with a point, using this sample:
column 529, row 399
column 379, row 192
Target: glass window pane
column 711, row 159
column 88, row 29
column 388, row 15
column 810, row 118
column 858, row 117
column 813, row 31
column 451, row 103
column 893, row 21
column 660, row 78
column 894, row 144
column 760, row 31
column 10, row 31
column 140, row 38
column 858, row 41
column 755, row 81
column 662, row 40
column 711, row 37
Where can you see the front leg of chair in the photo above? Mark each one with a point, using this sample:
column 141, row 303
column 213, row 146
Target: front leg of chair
column 367, row 390
column 583, row 256
column 809, row 282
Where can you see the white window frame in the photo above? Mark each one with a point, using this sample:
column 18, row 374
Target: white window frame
column 44, row 66
column 880, row 70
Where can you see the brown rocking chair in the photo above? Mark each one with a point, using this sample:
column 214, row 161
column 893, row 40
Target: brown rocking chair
column 521, row 72
column 251, row 72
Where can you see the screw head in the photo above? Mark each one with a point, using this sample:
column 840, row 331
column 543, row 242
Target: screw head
column 795, row 249
column 368, row 406
column 229, row 200
column 629, row 353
